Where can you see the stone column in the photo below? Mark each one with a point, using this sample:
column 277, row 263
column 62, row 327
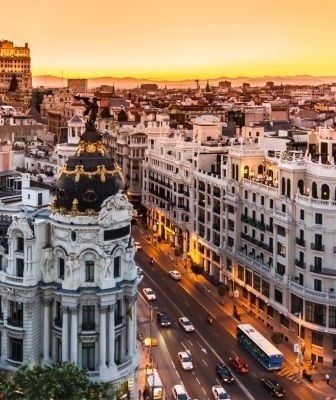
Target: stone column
column 65, row 333
column 111, row 338
column 102, row 337
column 131, row 324
column 46, row 329
column 74, row 334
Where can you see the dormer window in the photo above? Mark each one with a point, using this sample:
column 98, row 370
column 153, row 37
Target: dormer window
column 20, row 244
column 89, row 271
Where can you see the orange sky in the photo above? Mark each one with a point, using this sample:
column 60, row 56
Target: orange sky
column 174, row 39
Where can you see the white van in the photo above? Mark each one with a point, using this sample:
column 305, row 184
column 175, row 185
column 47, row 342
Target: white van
column 179, row 393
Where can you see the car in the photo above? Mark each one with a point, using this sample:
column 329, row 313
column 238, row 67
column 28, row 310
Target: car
column 186, row 324
column 137, row 245
column 179, row 393
column 149, row 294
column 162, row 319
column 219, row 393
column 175, row 275
column 223, row 373
column 273, row 387
column 238, row 365
column 185, row 360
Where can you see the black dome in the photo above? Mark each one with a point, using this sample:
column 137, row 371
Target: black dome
column 88, row 178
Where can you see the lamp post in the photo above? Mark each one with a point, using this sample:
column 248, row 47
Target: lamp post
column 299, row 344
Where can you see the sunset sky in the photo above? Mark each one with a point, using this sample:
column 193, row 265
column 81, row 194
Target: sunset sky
column 174, row 39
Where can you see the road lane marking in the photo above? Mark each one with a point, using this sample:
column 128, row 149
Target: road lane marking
column 204, row 362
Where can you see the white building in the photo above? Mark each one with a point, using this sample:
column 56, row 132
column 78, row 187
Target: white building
column 68, row 281
column 260, row 221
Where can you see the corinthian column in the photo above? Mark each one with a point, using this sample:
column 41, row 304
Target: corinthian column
column 74, row 339
column 65, row 333
column 102, row 337
column 46, row 330
column 111, row 336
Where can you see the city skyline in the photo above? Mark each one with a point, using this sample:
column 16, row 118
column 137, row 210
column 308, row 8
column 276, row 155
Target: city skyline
column 177, row 41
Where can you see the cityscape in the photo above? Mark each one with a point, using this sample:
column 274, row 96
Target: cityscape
column 169, row 235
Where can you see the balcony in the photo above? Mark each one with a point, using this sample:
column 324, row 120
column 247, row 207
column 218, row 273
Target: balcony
column 88, row 326
column 300, row 264
column 300, row 242
column 323, row 271
column 15, row 322
column 317, row 246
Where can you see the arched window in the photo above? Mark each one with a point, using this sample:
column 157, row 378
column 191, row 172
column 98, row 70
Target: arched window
column 232, row 171
column 288, row 188
column 325, row 192
column 237, row 172
column 246, row 171
column 301, row 186
column 283, row 186
column 260, row 170
column 314, row 190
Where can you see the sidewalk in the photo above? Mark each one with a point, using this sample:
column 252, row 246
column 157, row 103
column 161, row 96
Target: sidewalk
column 319, row 382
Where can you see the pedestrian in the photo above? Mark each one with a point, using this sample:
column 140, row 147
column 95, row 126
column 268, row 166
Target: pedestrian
column 140, row 394
column 327, row 378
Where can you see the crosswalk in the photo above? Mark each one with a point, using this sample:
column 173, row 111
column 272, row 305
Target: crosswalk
column 287, row 373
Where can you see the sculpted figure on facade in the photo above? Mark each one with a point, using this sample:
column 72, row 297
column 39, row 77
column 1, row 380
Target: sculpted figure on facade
column 47, row 260
column 72, row 265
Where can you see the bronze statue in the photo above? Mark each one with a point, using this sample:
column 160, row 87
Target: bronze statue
column 91, row 108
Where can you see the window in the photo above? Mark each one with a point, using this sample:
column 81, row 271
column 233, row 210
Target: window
column 317, row 339
column 246, row 194
column 19, row 267
column 284, row 321
column 253, row 197
column 283, row 208
column 20, row 244
column 61, row 267
column 88, row 356
column 271, row 204
column 302, row 215
column 89, row 271
column 278, row 296
column 116, row 267
column 118, row 313
column 262, row 200
column 281, row 231
column 88, row 318
column 281, row 249
column 15, row 349
column 315, row 313
column 15, row 313
column 332, row 320
column 256, row 282
column 318, row 285
column 248, row 277
column 270, row 311
column 265, row 288
column 318, row 218
column 280, row 269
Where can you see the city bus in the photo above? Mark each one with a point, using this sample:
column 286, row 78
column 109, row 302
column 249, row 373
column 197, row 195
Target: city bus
column 263, row 350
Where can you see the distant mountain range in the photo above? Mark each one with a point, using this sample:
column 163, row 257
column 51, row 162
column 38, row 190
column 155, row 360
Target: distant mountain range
column 128, row 83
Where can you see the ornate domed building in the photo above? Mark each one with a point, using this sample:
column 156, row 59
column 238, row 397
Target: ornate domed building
column 71, row 276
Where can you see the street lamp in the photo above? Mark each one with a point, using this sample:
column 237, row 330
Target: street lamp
column 299, row 358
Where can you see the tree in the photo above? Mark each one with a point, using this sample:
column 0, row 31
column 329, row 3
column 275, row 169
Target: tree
column 196, row 269
column 277, row 337
column 222, row 290
column 59, row 382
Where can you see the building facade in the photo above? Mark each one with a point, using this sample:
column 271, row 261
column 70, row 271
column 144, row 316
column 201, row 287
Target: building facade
column 15, row 60
column 68, row 281
column 259, row 221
